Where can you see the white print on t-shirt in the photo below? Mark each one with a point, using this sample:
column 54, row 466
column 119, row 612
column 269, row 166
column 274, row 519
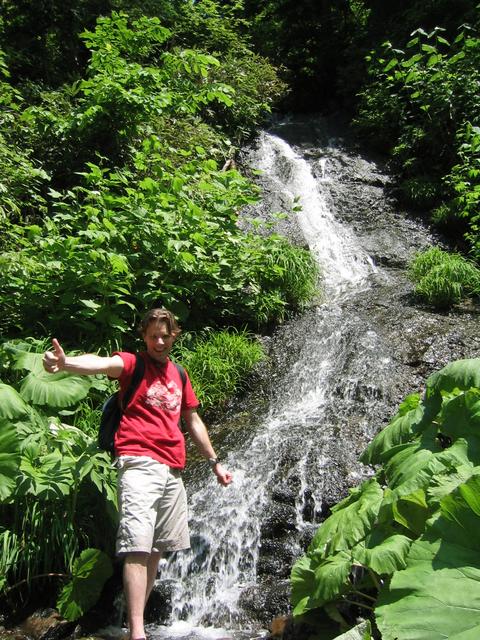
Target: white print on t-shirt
column 167, row 397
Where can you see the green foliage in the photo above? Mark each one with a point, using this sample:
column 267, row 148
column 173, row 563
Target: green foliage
column 160, row 227
column 9, row 458
column 90, row 572
column 257, row 89
column 418, row 107
column 443, row 278
column 174, row 236
column 464, row 180
column 20, row 177
column 57, row 490
column 401, row 544
column 218, row 363
column 41, row 38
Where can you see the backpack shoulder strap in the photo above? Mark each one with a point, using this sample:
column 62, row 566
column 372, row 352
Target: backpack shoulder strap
column 137, row 376
column 182, row 373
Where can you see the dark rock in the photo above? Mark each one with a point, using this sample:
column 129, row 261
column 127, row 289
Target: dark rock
column 46, row 625
column 266, row 600
column 159, row 605
column 281, row 519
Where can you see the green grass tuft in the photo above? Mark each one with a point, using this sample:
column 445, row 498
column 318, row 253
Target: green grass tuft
column 444, row 279
column 218, row 363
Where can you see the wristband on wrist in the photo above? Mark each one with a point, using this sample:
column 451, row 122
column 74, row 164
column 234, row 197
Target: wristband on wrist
column 213, row 462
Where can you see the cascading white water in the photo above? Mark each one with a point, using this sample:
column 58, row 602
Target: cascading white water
column 344, row 264
column 226, row 523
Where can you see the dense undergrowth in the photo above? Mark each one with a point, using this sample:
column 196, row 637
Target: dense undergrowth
column 421, row 107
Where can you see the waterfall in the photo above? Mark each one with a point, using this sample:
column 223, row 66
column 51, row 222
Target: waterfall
column 339, row 359
column 344, row 264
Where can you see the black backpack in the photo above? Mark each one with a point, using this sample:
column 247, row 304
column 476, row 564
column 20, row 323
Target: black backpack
column 113, row 407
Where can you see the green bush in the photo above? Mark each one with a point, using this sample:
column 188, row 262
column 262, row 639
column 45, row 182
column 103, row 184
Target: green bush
column 161, row 228
column 464, row 182
column 443, row 278
column 401, row 547
column 57, row 490
column 419, row 106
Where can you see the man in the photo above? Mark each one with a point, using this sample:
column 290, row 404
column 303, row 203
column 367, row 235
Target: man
column 150, row 454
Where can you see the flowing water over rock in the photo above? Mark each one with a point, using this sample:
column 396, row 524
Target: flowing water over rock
column 336, row 375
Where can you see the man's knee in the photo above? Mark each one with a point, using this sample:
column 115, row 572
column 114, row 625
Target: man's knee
column 136, row 557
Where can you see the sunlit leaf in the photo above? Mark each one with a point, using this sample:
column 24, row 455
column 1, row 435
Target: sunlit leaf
column 90, row 572
column 56, row 390
column 437, row 595
column 12, row 404
column 350, row 521
column 9, row 458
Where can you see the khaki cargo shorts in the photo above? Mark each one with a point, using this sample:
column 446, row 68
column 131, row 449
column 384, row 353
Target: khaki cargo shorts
column 153, row 507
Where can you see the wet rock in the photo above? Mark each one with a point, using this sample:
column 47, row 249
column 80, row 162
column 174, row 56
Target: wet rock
column 46, row 625
column 285, row 495
column 267, row 600
column 281, row 519
column 159, row 606
column 308, row 509
column 275, row 558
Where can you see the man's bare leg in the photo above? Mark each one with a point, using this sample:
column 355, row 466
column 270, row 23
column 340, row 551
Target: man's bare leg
column 139, row 573
column 152, row 571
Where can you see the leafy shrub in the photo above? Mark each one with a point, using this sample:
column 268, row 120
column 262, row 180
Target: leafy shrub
column 420, row 192
column 400, row 546
column 110, row 250
column 443, row 278
column 162, row 228
column 464, row 181
column 21, row 178
column 419, row 105
column 57, row 490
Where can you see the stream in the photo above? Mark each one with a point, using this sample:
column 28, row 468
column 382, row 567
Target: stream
column 335, row 376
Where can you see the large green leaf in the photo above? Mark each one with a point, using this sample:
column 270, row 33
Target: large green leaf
column 315, row 583
column 303, row 584
column 461, row 415
column 331, row 577
column 28, row 360
column 412, row 511
column 445, row 483
column 54, row 390
column 400, row 430
column 12, row 405
column 410, row 465
column 90, row 572
column 461, row 374
column 9, row 458
column 438, row 595
column 361, row 631
column 383, row 551
column 350, row 520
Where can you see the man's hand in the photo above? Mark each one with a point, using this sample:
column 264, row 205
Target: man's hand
column 54, row 361
column 224, row 477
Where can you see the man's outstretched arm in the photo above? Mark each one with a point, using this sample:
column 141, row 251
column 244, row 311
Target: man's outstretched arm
column 86, row 364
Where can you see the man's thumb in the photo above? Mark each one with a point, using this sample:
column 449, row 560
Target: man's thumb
column 56, row 347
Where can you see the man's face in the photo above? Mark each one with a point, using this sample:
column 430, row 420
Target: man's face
column 158, row 341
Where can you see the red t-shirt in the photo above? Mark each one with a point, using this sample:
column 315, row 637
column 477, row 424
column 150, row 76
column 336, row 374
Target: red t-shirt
column 150, row 424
